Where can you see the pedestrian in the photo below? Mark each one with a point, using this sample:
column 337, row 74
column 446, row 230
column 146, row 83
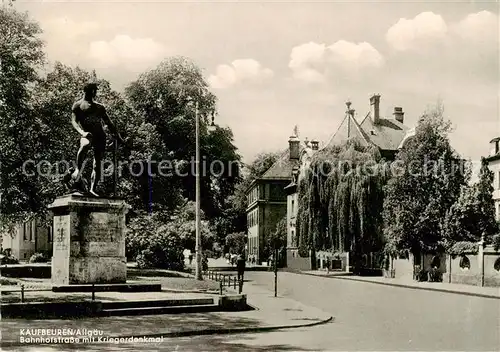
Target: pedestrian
column 240, row 266
column 190, row 258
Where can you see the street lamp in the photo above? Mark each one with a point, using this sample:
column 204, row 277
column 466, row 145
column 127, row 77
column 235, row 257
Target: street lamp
column 198, row 272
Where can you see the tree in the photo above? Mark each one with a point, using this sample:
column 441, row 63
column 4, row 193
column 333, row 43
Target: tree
column 21, row 54
column 52, row 99
column 278, row 238
column 427, row 185
column 472, row 215
column 152, row 242
column 340, row 200
column 235, row 242
column 184, row 220
column 261, row 164
column 165, row 97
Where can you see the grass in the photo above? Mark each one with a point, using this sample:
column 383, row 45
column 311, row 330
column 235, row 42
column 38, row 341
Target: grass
column 169, row 280
column 45, row 296
column 5, row 281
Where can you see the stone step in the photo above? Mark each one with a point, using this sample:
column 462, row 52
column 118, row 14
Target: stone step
column 132, row 287
column 161, row 310
column 157, row 303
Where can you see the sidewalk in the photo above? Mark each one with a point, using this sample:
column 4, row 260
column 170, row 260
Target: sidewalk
column 271, row 313
column 488, row 292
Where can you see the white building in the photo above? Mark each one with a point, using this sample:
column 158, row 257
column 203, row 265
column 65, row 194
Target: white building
column 494, row 165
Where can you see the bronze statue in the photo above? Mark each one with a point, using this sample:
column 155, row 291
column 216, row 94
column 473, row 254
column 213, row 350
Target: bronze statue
column 87, row 119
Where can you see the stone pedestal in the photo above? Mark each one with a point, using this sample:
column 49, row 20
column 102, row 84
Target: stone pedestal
column 89, row 240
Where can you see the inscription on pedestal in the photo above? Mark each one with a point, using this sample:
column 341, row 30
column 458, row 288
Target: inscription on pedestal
column 61, row 235
column 89, row 241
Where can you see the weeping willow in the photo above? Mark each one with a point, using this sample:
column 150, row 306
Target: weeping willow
column 341, row 199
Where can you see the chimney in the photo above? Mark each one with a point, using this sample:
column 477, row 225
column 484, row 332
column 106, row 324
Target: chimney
column 495, row 146
column 315, row 144
column 294, row 143
column 399, row 115
column 375, row 108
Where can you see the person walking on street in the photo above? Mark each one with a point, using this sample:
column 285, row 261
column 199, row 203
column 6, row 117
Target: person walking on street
column 240, row 265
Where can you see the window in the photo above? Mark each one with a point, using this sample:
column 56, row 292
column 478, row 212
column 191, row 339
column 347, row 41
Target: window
column 25, row 231
column 30, row 234
column 33, row 231
column 464, row 263
column 293, row 206
column 436, row 262
column 496, row 266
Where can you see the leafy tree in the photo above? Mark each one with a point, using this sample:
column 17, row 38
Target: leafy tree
column 340, row 200
column 185, row 222
column 473, row 214
column 261, row 164
column 427, row 185
column 235, row 242
column 165, row 97
column 52, row 99
column 279, row 237
column 21, row 54
column 152, row 243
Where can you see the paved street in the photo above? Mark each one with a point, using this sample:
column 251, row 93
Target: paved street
column 367, row 317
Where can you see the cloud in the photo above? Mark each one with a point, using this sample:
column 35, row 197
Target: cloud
column 238, row 71
column 425, row 28
column 479, row 28
column 135, row 54
column 67, row 39
column 351, row 56
column 311, row 62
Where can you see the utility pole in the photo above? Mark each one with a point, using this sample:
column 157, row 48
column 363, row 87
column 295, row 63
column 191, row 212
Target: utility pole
column 198, row 222
column 275, row 271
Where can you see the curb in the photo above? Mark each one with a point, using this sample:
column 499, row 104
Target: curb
column 229, row 331
column 345, row 277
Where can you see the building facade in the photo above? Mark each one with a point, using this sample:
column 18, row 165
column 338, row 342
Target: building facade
column 27, row 239
column 494, row 165
column 387, row 134
column 266, row 206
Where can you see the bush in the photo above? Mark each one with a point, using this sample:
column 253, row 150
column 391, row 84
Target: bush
column 38, row 258
column 163, row 250
column 8, row 259
column 421, row 275
column 435, row 275
column 153, row 244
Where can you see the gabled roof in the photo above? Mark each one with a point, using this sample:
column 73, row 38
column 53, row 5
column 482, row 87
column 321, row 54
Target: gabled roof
column 387, row 134
column 281, row 169
column 348, row 129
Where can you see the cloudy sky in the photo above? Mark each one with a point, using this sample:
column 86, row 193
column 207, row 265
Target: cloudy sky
column 277, row 64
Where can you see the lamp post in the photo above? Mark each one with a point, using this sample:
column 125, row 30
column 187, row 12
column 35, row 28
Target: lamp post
column 198, row 249
column 197, row 212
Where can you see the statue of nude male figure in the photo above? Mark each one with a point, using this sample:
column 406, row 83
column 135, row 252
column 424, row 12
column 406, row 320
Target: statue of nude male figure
column 87, row 119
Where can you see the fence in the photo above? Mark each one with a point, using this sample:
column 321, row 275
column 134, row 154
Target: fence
column 225, row 280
